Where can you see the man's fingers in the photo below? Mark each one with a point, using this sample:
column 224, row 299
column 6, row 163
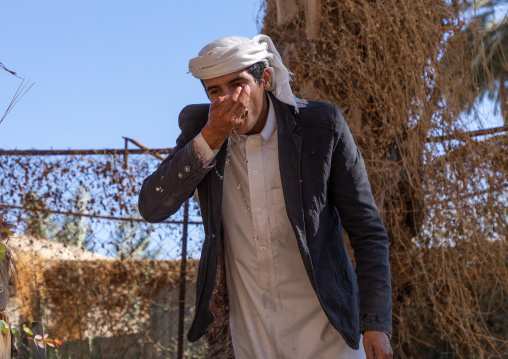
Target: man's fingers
column 217, row 102
column 377, row 345
column 237, row 123
column 367, row 346
column 236, row 94
column 245, row 95
column 369, row 353
column 242, row 101
column 231, row 102
column 383, row 351
column 226, row 104
column 241, row 113
column 226, row 112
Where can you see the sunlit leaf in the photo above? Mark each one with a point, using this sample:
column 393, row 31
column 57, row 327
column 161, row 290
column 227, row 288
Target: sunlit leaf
column 2, row 248
column 27, row 330
column 15, row 332
column 6, row 231
column 40, row 344
column 38, row 337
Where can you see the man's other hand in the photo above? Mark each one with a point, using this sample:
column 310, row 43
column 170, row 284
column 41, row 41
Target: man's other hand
column 377, row 345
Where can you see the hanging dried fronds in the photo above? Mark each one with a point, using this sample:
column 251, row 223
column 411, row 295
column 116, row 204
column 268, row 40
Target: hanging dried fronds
column 401, row 72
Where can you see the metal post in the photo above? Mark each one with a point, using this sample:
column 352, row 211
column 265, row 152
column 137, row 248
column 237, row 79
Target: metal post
column 125, row 154
column 183, row 274
column 38, row 328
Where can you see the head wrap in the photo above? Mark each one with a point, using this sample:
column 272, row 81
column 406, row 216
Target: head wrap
column 235, row 53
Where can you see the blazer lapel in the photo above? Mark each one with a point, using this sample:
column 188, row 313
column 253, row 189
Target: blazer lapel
column 290, row 148
column 216, row 186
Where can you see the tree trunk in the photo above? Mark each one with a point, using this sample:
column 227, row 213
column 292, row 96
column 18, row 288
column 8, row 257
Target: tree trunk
column 5, row 338
column 286, row 10
column 503, row 98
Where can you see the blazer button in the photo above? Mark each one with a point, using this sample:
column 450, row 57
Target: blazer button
column 180, row 175
column 187, row 169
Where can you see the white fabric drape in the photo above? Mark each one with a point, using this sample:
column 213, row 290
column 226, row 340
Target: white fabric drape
column 235, row 53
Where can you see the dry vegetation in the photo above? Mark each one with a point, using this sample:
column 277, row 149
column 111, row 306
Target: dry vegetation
column 401, row 73
column 132, row 302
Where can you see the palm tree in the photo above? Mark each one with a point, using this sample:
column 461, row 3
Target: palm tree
column 490, row 61
column 75, row 230
column 132, row 240
column 39, row 221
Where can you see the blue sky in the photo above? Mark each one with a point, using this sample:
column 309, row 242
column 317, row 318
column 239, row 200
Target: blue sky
column 107, row 69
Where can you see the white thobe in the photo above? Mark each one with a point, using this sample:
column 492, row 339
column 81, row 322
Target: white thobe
column 274, row 311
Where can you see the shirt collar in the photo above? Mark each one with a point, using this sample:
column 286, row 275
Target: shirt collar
column 270, row 121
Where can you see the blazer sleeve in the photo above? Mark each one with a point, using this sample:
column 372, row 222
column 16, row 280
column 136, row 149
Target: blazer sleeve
column 360, row 218
column 176, row 178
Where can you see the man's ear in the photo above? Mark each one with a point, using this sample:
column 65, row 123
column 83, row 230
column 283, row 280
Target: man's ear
column 267, row 79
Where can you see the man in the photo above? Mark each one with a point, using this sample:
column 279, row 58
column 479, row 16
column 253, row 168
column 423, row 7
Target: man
column 277, row 178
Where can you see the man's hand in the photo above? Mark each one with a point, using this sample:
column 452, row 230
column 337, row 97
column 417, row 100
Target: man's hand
column 377, row 345
column 225, row 115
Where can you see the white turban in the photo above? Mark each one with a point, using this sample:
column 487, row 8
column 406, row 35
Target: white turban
column 234, row 53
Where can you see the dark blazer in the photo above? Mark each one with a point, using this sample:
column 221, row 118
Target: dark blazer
column 325, row 188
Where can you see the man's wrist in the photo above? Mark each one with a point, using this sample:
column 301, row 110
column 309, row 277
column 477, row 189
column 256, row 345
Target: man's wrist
column 203, row 151
column 212, row 139
column 388, row 334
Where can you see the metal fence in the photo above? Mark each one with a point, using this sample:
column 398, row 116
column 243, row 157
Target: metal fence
column 89, row 267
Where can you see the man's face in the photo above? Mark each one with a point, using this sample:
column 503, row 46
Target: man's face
column 224, row 86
